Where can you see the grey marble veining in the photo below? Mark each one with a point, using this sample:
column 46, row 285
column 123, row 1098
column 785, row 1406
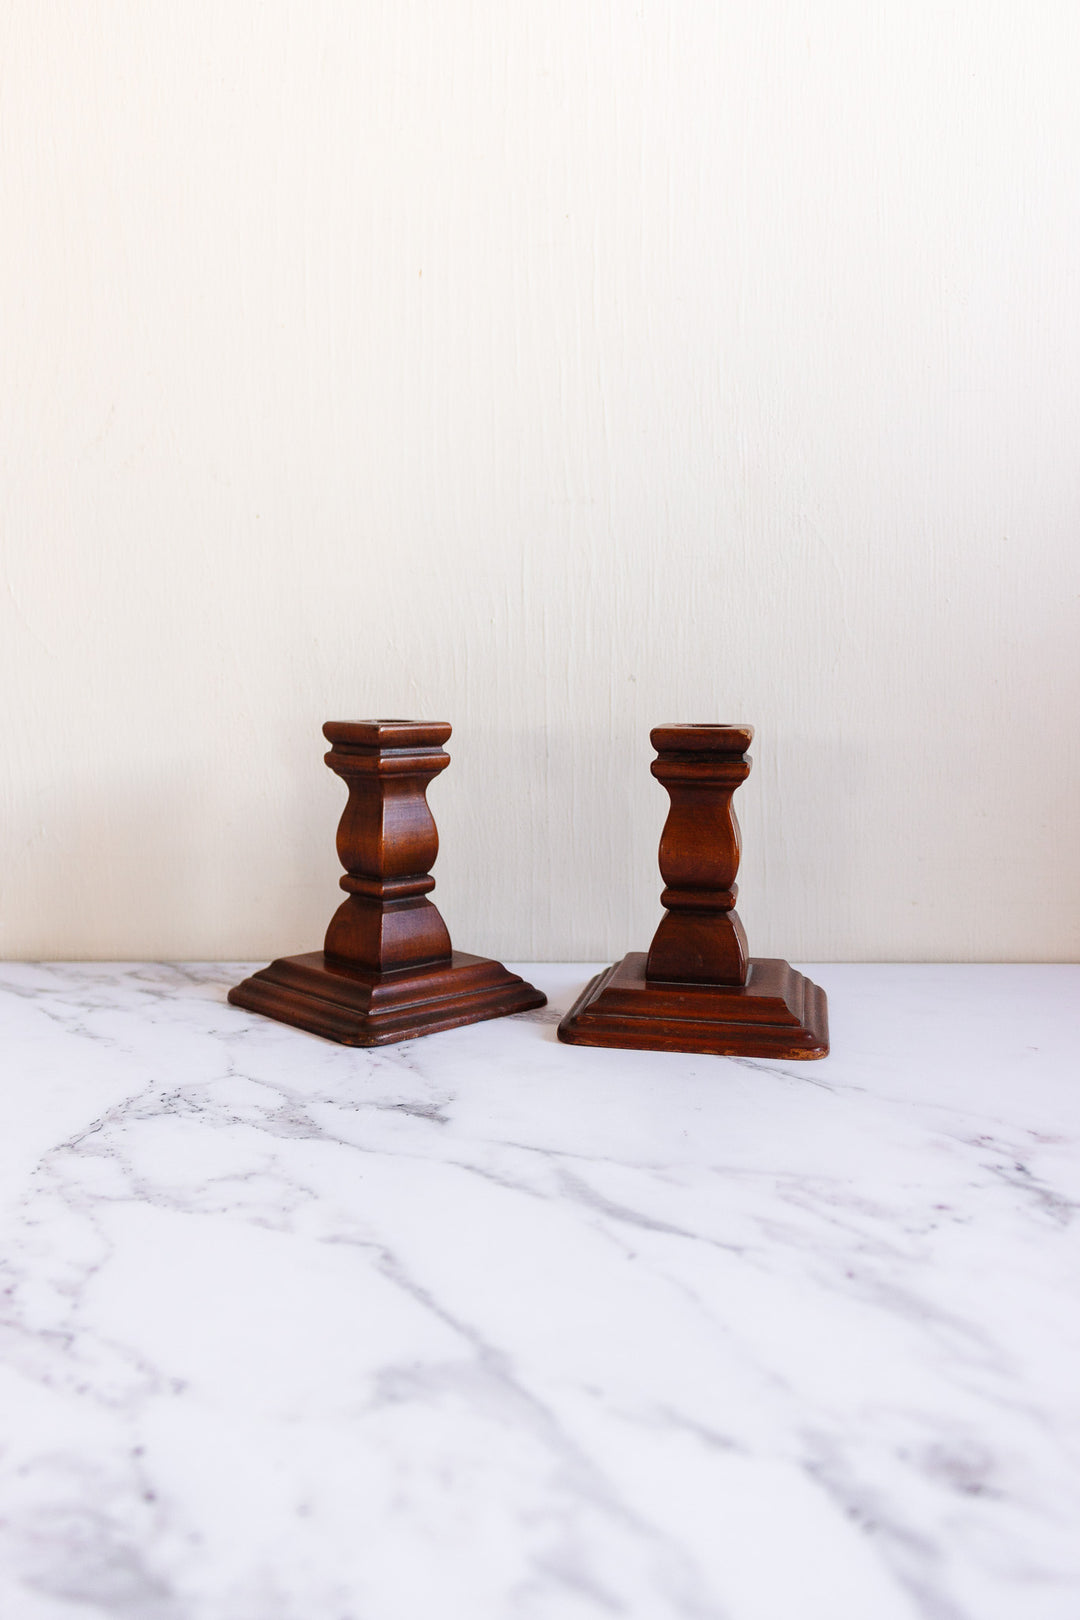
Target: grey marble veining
column 485, row 1327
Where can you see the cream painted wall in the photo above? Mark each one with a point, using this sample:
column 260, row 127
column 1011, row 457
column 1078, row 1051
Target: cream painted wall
column 556, row 370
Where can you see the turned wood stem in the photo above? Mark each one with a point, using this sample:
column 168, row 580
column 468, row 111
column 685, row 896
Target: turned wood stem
column 387, row 841
column 700, row 939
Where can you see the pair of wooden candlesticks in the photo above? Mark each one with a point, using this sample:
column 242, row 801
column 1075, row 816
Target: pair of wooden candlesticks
column 387, row 971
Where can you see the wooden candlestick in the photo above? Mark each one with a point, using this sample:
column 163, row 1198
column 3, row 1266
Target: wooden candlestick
column 697, row 990
column 387, row 970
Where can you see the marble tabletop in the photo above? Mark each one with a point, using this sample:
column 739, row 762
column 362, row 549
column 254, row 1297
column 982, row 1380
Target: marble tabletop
column 482, row 1327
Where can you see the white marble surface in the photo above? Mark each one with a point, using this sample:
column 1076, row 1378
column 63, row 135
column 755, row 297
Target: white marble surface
column 485, row 1328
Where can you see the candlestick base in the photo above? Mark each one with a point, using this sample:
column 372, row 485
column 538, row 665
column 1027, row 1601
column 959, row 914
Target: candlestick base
column 777, row 1013
column 357, row 1008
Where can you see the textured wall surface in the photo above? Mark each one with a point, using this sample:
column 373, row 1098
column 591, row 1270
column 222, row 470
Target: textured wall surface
column 557, row 371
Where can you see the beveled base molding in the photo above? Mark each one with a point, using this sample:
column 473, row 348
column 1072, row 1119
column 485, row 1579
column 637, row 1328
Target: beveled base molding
column 777, row 1013
column 360, row 1009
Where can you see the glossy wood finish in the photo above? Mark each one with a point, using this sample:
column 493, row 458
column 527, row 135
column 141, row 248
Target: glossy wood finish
column 700, row 940
column 387, row 841
column 387, row 970
column 698, row 990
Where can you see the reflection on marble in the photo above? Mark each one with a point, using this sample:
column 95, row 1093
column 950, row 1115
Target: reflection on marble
column 481, row 1327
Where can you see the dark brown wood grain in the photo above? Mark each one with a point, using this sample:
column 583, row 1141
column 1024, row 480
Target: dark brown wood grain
column 698, row 990
column 387, row 970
